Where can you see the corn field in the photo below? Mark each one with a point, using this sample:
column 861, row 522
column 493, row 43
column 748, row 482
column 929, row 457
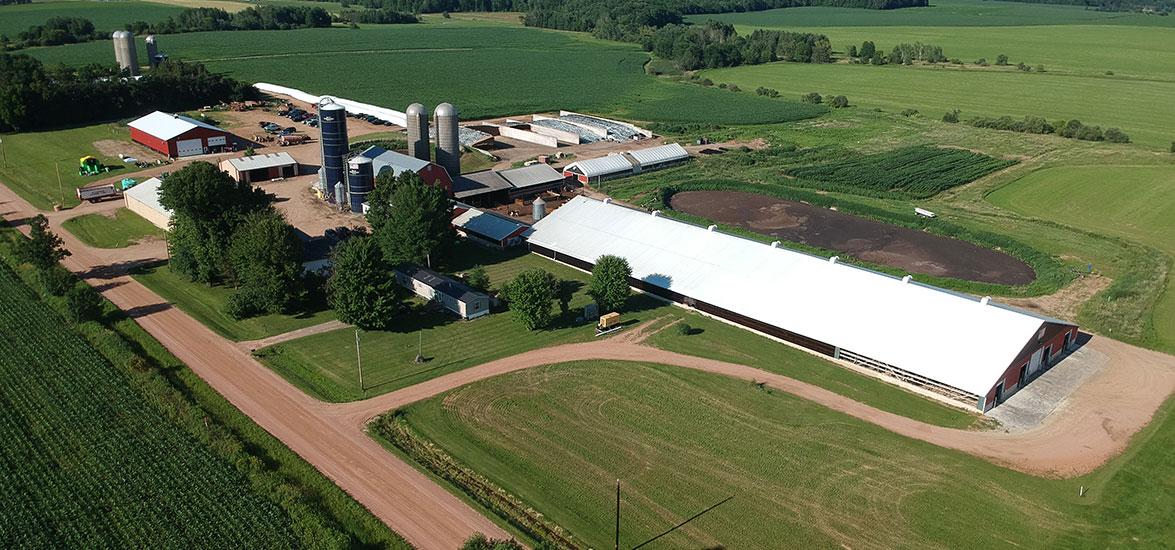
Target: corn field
column 89, row 462
column 917, row 172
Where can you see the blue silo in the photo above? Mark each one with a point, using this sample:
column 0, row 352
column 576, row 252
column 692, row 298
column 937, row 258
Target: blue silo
column 359, row 182
column 332, row 120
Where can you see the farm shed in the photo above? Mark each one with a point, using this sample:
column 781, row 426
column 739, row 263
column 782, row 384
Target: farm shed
column 453, row 295
column 257, row 168
column 383, row 160
column 660, row 157
column 529, row 181
column 487, row 227
column 177, row 135
column 971, row 350
column 600, row 169
column 143, row 199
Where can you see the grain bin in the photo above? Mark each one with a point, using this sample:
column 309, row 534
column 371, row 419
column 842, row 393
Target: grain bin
column 539, row 209
column 124, row 52
column 417, row 131
column 332, row 121
column 448, row 139
column 359, row 182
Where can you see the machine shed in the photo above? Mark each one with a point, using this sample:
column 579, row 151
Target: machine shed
column 261, row 167
column 143, row 199
column 971, row 350
column 177, row 135
column 660, row 157
column 599, row 169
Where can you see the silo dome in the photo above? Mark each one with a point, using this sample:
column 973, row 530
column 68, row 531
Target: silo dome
column 445, row 109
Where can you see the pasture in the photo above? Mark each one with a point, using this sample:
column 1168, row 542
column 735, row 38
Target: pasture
column 558, row 437
column 89, row 461
column 107, row 16
column 1133, row 202
column 119, row 230
column 485, row 68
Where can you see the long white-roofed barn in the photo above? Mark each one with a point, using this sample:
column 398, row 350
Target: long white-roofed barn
column 969, row 349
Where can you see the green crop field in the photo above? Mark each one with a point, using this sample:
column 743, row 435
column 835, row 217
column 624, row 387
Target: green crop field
column 206, row 304
column 917, row 172
column 485, row 68
column 121, row 230
column 1135, row 202
column 87, row 460
column 107, row 16
column 559, row 437
column 32, row 161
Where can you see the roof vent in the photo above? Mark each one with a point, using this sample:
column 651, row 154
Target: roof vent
column 833, row 259
column 984, row 300
column 656, row 213
column 608, row 200
column 907, row 278
column 775, row 244
column 712, row 228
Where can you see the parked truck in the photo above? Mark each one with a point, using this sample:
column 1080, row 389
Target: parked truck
column 98, row 192
column 292, row 139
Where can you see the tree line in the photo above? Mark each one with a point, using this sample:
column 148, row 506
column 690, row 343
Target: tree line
column 1071, row 129
column 378, row 16
column 34, row 97
column 715, row 44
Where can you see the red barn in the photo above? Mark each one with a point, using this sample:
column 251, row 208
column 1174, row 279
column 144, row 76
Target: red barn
column 431, row 172
column 177, row 135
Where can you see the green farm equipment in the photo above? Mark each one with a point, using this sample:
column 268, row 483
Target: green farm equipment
column 90, row 166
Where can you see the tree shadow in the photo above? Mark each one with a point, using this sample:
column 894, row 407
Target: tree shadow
column 143, row 311
column 117, row 269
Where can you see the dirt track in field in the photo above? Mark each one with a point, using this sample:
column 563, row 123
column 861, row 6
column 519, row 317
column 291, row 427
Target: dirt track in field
column 1094, row 425
column 915, row 251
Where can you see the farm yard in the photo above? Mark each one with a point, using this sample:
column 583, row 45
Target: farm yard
column 558, row 437
column 89, row 462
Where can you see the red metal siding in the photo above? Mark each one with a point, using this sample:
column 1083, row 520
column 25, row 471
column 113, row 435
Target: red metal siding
column 152, row 142
column 168, row 147
column 1054, row 337
column 433, row 174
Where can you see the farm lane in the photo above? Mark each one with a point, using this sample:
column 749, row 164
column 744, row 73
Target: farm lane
column 410, row 503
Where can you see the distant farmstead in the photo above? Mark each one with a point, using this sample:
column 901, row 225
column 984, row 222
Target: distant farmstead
column 177, row 135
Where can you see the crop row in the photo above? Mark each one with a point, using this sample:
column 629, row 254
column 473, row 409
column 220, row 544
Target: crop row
column 916, row 172
column 88, row 462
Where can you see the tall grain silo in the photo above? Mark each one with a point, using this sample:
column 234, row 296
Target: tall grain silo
column 448, row 139
column 124, row 52
column 152, row 51
column 360, row 181
column 417, row 131
column 332, row 122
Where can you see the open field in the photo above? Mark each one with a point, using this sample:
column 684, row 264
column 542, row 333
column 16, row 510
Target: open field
column 486, row 69
column 119, row 230
column 35, row 158
column 558, row 437
column 1134, row 202
column 206, row 304
column 107, row 16
column 88, row 460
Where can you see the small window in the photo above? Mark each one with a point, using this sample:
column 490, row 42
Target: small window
column 1040, row 334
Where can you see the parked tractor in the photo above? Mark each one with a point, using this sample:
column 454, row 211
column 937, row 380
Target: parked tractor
column 90, row 166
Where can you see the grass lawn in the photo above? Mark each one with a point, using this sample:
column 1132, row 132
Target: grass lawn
column 206, row 304
column 558, row 437
column 121, row 230
column 1134, row 202
column 31, row 158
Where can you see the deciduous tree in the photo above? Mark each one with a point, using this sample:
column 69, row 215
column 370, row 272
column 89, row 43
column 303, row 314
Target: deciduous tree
column 43, row 249
column 266, row 261
column 411, row 219
column 609, row 286
column 361, row 289
column 530, row 294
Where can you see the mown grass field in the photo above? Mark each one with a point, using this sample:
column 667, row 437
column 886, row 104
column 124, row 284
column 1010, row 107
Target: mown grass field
column 34, row 160
column 206, row 304
column 1134, row 202
column 558, row 437
column 120, row 230
column 88, row 461
column 107, row 16
column 484, row 68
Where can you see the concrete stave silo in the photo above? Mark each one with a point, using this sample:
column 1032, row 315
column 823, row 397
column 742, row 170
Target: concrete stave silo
column 332, row 123
column 417, row 132
column 448, row 139
column 124, row 52
column 360, row 182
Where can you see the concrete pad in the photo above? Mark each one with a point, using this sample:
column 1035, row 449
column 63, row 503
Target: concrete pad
column 1032, row 404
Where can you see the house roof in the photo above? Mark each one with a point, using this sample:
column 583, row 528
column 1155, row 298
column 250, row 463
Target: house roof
column 661, row 154
column 442, row 284
column 166, row 126
column 489, row 225
column 256, row 162
column 602, row 166
column 948, row 337
column 383, row 159
column 530, row 176
column 478, row 183
column 147, row 193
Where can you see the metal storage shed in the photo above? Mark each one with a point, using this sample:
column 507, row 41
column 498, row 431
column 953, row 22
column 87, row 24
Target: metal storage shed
column 533, row 179
column 658, row 157
column 177, row 135
column 968, row 349
column 261, row 167
column 598, row 169
column 489, row 228
column 143, row 199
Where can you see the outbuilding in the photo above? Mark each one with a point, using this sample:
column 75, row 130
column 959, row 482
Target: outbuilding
column 599, row 169
column 487, row 227
column 451, row 294
column 177, row 135
column 971, row 350
column 383, row 160
column 258, row 168
column 529, row 181
column 143, row 199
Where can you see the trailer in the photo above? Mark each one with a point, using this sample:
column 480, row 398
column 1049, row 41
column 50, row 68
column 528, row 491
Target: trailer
column 98, row 193
column 292, row 139
column 925, row 213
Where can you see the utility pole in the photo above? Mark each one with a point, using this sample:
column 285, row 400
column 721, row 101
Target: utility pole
column 617, row 547
column 60, row 188
column 3, row 153
column 359, row 361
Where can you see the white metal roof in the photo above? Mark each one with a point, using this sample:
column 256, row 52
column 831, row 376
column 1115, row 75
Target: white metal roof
column 948, row 337
column 602, row 166
column 147, row 193
column 383, row 159
column 166, row 126
column 256, row 162
column 529, row 176
column 659, row 155
column 486, row 224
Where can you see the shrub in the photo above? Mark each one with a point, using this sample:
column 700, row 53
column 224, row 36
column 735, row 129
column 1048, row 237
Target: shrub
column 1109, row 73
column 1001, row 59
column 1040, row 68
column 1173, row 146
column 84, row 303
column 56, row 280
column 707, row 82
column 839, row 102
column 982, row 61
column 1114, row 135
column 812, row 97
column 734, row 88
column 909, row 112
column 477, row 278
column 684, row 329
column 951, row 116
